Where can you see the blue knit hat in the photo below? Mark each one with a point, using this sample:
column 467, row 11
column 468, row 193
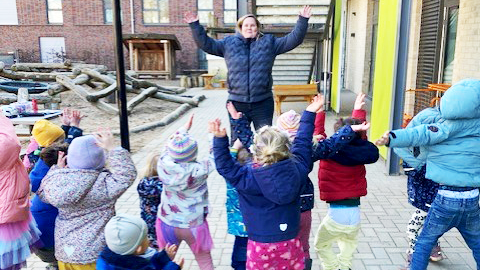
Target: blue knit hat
column 84, row 153
column 182, row 147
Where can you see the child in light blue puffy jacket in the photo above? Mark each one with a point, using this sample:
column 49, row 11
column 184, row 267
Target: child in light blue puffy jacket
column 453, row 146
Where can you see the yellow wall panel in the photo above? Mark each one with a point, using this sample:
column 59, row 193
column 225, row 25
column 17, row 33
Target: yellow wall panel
column 384, row 76
column 336, row 66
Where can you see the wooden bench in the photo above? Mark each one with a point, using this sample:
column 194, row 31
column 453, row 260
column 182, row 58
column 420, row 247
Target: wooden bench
column 281, row 92
column 207, row 80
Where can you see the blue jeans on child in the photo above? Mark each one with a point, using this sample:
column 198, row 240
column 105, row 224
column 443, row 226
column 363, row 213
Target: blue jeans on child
column 445, row 214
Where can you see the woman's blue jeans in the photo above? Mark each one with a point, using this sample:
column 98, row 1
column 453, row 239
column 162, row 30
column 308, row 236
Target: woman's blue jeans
column 447, row 213
column 259, row 113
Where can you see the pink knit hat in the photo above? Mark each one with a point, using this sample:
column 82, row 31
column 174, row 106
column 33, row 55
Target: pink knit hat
column 289, row 122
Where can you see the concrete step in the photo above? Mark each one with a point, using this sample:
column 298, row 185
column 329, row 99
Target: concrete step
column 304, row 50
column 289, row 10
column 298, row 3
column 279, row 82
column 290, row 19
column 290, row 72
column 297, row 56
column 294, row 62
column 290, row 67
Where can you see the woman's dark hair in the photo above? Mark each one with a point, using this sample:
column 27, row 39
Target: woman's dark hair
column 50, row 154
column 347, row 121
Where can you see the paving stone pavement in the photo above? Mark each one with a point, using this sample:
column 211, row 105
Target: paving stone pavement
column 385, row 210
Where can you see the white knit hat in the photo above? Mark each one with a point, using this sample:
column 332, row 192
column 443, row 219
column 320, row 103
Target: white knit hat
column 124, row 233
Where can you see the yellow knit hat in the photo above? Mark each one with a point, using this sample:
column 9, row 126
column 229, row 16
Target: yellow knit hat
column 46, row 132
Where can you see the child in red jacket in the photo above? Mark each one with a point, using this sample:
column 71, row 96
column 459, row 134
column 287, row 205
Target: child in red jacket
column 342, row 182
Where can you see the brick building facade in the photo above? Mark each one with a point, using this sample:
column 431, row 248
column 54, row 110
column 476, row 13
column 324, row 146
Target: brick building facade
column 87, row 34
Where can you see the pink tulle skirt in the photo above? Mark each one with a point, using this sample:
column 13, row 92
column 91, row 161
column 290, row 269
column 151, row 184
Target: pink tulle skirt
column 17, row 239
column 198, row 238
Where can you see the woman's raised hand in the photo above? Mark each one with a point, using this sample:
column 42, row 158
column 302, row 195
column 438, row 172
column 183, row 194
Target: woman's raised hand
column 306, row 11
column 233, row 111
column 190, row 17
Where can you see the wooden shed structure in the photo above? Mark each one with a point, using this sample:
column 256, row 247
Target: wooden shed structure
column 152, row 54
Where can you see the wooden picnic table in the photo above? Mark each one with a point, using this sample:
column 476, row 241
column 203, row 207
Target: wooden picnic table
column 282, row 92
column 207, row 79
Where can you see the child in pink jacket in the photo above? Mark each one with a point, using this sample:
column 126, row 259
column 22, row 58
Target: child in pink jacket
column 18, row 231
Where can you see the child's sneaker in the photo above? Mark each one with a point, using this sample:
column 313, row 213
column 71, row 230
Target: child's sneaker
column 436, row 255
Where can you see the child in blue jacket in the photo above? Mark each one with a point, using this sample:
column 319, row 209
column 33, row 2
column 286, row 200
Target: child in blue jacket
column 421, row 191
column 453, row 145
column 128, row 247
column 269, row 187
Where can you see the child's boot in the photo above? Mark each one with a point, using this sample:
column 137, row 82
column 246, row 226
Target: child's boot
column 436, row 255
column 308, row 264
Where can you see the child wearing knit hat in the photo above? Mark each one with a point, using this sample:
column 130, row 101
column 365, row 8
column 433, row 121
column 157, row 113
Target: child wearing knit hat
column 128, row 247
column 48, row 139
column 85, row 194
column 45, row 133
column 184, row 201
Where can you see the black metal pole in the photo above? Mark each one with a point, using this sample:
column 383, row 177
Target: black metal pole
column 122, row 91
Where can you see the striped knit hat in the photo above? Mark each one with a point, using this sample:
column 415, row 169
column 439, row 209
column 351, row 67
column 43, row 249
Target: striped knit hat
column 182, row 147
column 289, row 122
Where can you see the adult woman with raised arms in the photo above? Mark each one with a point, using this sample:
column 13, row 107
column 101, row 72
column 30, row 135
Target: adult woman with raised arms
column 249, row 55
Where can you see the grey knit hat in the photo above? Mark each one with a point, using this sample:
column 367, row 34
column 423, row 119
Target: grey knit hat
column 124, row 233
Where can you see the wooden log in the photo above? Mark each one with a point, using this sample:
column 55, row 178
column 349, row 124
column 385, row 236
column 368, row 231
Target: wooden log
column 41, row 99
column 22, row 94
column 82, row 93
column 136, row 83
column 93, row 97
column 104, row 78
column 183, row 81
column 141, row 97
column 98, row 68
column 35, row 76
column 28, row 67
column 173, row 98
column 180, row 111
column 98, row 76
column 58, row 88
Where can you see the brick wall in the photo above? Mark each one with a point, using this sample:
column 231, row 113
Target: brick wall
column 88, row 38
column 467, row 48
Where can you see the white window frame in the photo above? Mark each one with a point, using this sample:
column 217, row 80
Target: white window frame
column 52, row 9
column 8, row 13
column 159, row 11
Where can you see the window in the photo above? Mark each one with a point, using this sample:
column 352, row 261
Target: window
column 230, row 11
column 155, row 11
column 449, row 40
column 205, row 8
column 8, row 13
column 107, row 11
column 54, row 12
